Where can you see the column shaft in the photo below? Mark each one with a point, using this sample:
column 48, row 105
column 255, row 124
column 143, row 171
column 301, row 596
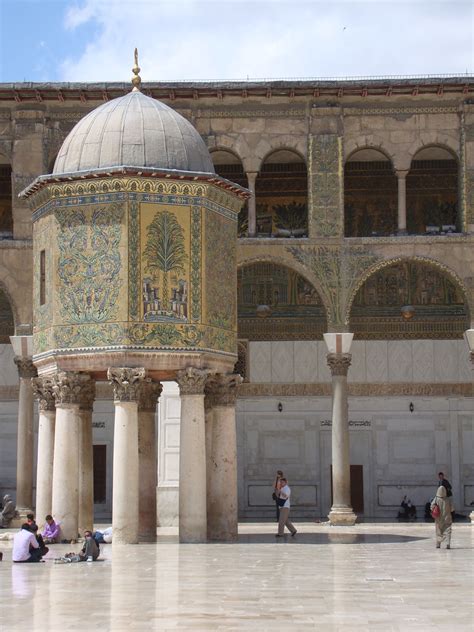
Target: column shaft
column 252, row 204
column 192, row 459
column 66, row 469
column 86, row 472
column 148, row 476
column 44, row 471
column 25, row 445
column 402, row 201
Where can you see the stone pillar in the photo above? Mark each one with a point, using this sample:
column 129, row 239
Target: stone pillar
column 402, row 201
column 339, row 360
column 86, row 459
column 192, row 457
column 252, row 204
column 222, row 491
column 43, row 390
column 209, row 424
column 469, row 338
column 147, row 468
column 25, row 440
column 127, row 383
column 68, row 390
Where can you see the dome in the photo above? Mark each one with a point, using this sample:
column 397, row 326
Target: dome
column 135, row 131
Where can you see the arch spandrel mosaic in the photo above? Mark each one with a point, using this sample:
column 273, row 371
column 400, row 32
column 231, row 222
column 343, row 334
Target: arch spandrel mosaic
column 440, row 310
column 277, row 303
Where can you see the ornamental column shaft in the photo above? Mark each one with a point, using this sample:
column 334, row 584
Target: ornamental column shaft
column 25, row 440
column 86, row 460
column 68, row 389
column 125, row 506
column 252, row 204
column 148, row 466
column 222, row 491
column 192, row 457
column 402, row 201
column 339, row 361
column 43, row 390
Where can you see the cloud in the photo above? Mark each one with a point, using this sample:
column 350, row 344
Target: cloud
column 229, row 39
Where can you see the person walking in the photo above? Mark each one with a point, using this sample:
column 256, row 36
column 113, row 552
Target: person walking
column 276, row 491
column 284, row 501
column 443, row 520
column 449, row 491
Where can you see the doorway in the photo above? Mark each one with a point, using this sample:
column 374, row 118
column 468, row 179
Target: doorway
column 357, row 487
column 100, row 474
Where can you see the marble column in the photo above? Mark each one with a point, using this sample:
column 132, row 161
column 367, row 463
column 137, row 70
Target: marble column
column 402, row 201
column 127, row 384
column 341, row 511
column 147, row 467
column 192, row 457
column 68, row 388
column 86, row 459
column 25, row 436
column 469, row 338
column 222, row 519
column 209, row 423
column 252, row 204
column 43, row 391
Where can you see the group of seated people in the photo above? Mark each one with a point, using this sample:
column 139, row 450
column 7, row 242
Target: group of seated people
column 30, row 546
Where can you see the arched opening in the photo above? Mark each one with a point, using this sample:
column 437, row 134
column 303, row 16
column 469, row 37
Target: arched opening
column 277, row 303
column 6, row 215
column 432, row 192
column 229, row 166
column 409, row 299
column 281, row 192
column 7, row 323
column 370, row 195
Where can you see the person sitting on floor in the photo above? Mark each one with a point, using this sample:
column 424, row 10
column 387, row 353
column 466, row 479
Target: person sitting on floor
column 25, row 546
column 89, row 552
column 409, row 510
column 39, row 538
column 104, row 536
column 50, row 531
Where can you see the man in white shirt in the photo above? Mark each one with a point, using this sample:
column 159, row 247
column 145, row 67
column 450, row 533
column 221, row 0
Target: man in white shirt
column 25, row 546
column 284, row 521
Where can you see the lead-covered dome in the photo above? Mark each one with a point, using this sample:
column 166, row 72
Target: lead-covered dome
column 137, row 131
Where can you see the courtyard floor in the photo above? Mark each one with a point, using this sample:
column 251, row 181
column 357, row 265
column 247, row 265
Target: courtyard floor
column 383, row 577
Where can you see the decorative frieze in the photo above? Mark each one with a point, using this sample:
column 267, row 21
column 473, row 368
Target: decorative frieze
column 149, row 395
column 43, row 391
column 70, row 388
column 126, row 382
column 191, row 381
column 25, row 367
column 339, row 363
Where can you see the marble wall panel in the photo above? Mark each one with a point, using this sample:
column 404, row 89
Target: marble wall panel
column 466, row 367
column 446, row 361
column 414, row 447
column 324, row 374
column 260, row 361
column 400, row 367
column 282, row 362
column 306, row 361
column 358, row 368
column 423, row 359
column 376, row 360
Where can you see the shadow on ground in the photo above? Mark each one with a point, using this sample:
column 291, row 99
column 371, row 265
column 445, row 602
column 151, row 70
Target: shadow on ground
column 312, row 538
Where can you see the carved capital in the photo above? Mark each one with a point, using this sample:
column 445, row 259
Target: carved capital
column 70, row 387
column 149, row 395
column 221, row 389
column 25, row 366
column 43, row 391
column 191, row 381
column 126, row 382
column 339, row 363
column 87, row 396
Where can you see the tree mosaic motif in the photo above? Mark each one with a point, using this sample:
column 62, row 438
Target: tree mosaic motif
column 165, row 253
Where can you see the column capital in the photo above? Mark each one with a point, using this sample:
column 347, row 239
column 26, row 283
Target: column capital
column 126, row 382
column 149, row 395
column 221, row 389
column 87, row 395
column 401, row 173
column 71, row 387
column 339, row 363
column 25, row 366
column 43, row 391
column 191, row 381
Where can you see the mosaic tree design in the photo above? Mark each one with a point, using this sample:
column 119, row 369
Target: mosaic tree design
column 165, row 250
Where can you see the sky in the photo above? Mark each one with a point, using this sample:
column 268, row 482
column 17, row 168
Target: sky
column 93, row 40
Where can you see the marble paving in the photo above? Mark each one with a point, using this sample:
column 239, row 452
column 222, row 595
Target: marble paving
column 370, row 577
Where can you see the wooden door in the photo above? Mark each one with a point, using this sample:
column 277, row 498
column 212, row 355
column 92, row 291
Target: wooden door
column 357, row 487
column 100, row 474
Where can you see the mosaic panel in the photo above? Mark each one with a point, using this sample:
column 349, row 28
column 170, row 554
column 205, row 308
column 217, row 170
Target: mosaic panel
column 326, row 185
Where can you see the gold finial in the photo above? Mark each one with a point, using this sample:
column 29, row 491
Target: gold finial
column 136, row 79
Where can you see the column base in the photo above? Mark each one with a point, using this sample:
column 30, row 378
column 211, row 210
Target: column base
column 342, row 517
column 147, row 538
column 401, row 232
